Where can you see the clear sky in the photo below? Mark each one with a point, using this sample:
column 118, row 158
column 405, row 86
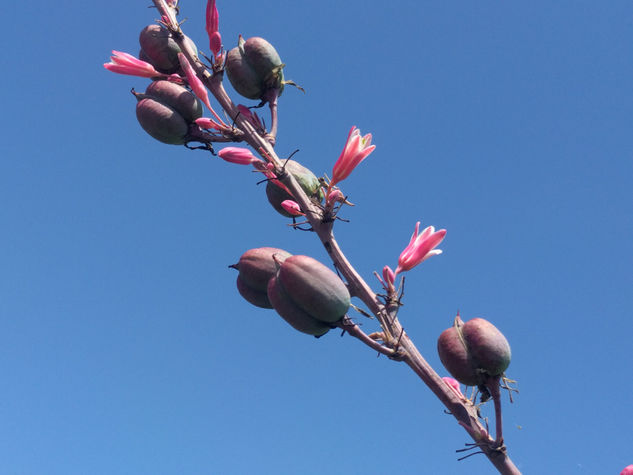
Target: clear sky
column 124, row 345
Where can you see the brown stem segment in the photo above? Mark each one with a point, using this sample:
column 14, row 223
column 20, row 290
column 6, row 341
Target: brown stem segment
column 355, row 331
column 271, row 97
column 464, row 412
column 493, row 387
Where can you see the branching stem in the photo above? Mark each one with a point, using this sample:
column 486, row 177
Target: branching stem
column 396, row 337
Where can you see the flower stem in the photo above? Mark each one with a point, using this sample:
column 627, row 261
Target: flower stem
column 397, row 338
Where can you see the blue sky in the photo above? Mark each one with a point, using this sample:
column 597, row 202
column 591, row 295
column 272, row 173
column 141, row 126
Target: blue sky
column 124, row 345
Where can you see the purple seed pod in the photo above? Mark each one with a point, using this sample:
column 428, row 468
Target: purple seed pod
column 254, row 67
column 243, row 79
column 177, row 97
column 161, row 122
column 488, row 347
column 160, row 50
column 256, row 267
column 313, row 288
column 474, row 350
column 298, row 318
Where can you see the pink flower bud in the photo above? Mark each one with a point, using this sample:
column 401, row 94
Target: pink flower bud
column 206, row 123
column 388, row 276
column 292, row 208
column 356, row 149
column 194, row 82
column 241, row 156
column 212, row 26
column 124, row 63
column 628, row 470
column 420, row 247
column 454, row 385
column 334, row 196
column 197, row 87
column 252, row 117
column 245, row 111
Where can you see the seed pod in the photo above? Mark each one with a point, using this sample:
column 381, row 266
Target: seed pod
column 177, row 97
column 161, row 122
column 160, row 49
column 307, row 180
column 313, row 288
column 243, row 79
column 292, row 313
column 265, row 61
column 488, row 347
column 257, row 267
column 254, row 67
column 473, row 350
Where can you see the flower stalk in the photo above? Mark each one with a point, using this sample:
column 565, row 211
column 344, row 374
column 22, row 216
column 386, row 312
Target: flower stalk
column 386, row 314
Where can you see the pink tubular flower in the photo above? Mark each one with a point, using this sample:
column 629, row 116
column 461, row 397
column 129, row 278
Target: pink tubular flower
column 356, row 149
column 241, row 156
column 213, row 23
column 125, row 63
column 196, row 85
column 421, row 247
column 292, row 208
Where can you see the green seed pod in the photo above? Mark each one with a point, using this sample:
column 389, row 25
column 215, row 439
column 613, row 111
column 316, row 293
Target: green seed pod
column 254, row 67
column 177, row 97
column 314, row 288
column 292, row 313
column 161, row 122
column 265, row 61
column 257, row 267
column 243, row 79
column 488, row 346
column 474, row 350
column 160, row 50
column 307, row 180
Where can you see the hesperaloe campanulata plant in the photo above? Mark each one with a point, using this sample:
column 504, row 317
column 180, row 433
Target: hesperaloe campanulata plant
column 258, row 73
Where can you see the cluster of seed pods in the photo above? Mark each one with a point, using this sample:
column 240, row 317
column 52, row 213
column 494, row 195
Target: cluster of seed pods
column 304, row 292
column 167, row 111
